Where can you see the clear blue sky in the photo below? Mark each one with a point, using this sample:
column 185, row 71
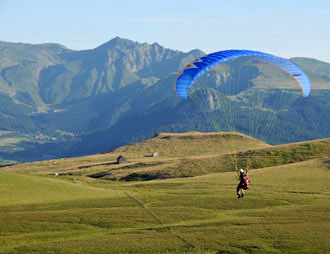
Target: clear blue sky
column 287, row 28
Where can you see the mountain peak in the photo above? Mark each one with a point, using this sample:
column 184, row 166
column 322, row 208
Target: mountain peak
column 129, row 44
column 118, row 41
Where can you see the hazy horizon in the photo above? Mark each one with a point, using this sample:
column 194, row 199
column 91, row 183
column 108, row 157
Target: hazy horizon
column 288, row 29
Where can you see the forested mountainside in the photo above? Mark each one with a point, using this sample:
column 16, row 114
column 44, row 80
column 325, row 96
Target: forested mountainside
column 57, row 102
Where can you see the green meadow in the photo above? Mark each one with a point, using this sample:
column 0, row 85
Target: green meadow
column 182, row 201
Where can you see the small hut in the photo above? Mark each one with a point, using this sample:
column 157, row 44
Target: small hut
column 155, row 154
column 121, row 160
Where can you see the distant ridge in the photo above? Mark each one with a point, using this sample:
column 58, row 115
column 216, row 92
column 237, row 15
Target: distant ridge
column 57, row 102
column 182, row 155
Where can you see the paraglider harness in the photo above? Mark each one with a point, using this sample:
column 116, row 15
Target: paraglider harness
column 244, row 183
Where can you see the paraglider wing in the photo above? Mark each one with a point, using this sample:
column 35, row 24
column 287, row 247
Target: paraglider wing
column 192, row 71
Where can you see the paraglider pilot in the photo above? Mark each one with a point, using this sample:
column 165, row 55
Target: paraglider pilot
column 244, row 183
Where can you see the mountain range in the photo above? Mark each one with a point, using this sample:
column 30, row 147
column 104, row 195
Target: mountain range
column 57, row 102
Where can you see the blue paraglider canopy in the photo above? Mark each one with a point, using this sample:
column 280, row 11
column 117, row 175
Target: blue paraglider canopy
column 192, row 71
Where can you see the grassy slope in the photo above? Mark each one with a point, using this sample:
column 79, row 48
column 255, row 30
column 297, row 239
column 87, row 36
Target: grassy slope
column 21, row 189
column 285, row 211
column 175, row 152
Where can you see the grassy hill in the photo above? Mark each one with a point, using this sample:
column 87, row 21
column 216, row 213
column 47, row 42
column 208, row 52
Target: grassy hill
column 285, row 211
